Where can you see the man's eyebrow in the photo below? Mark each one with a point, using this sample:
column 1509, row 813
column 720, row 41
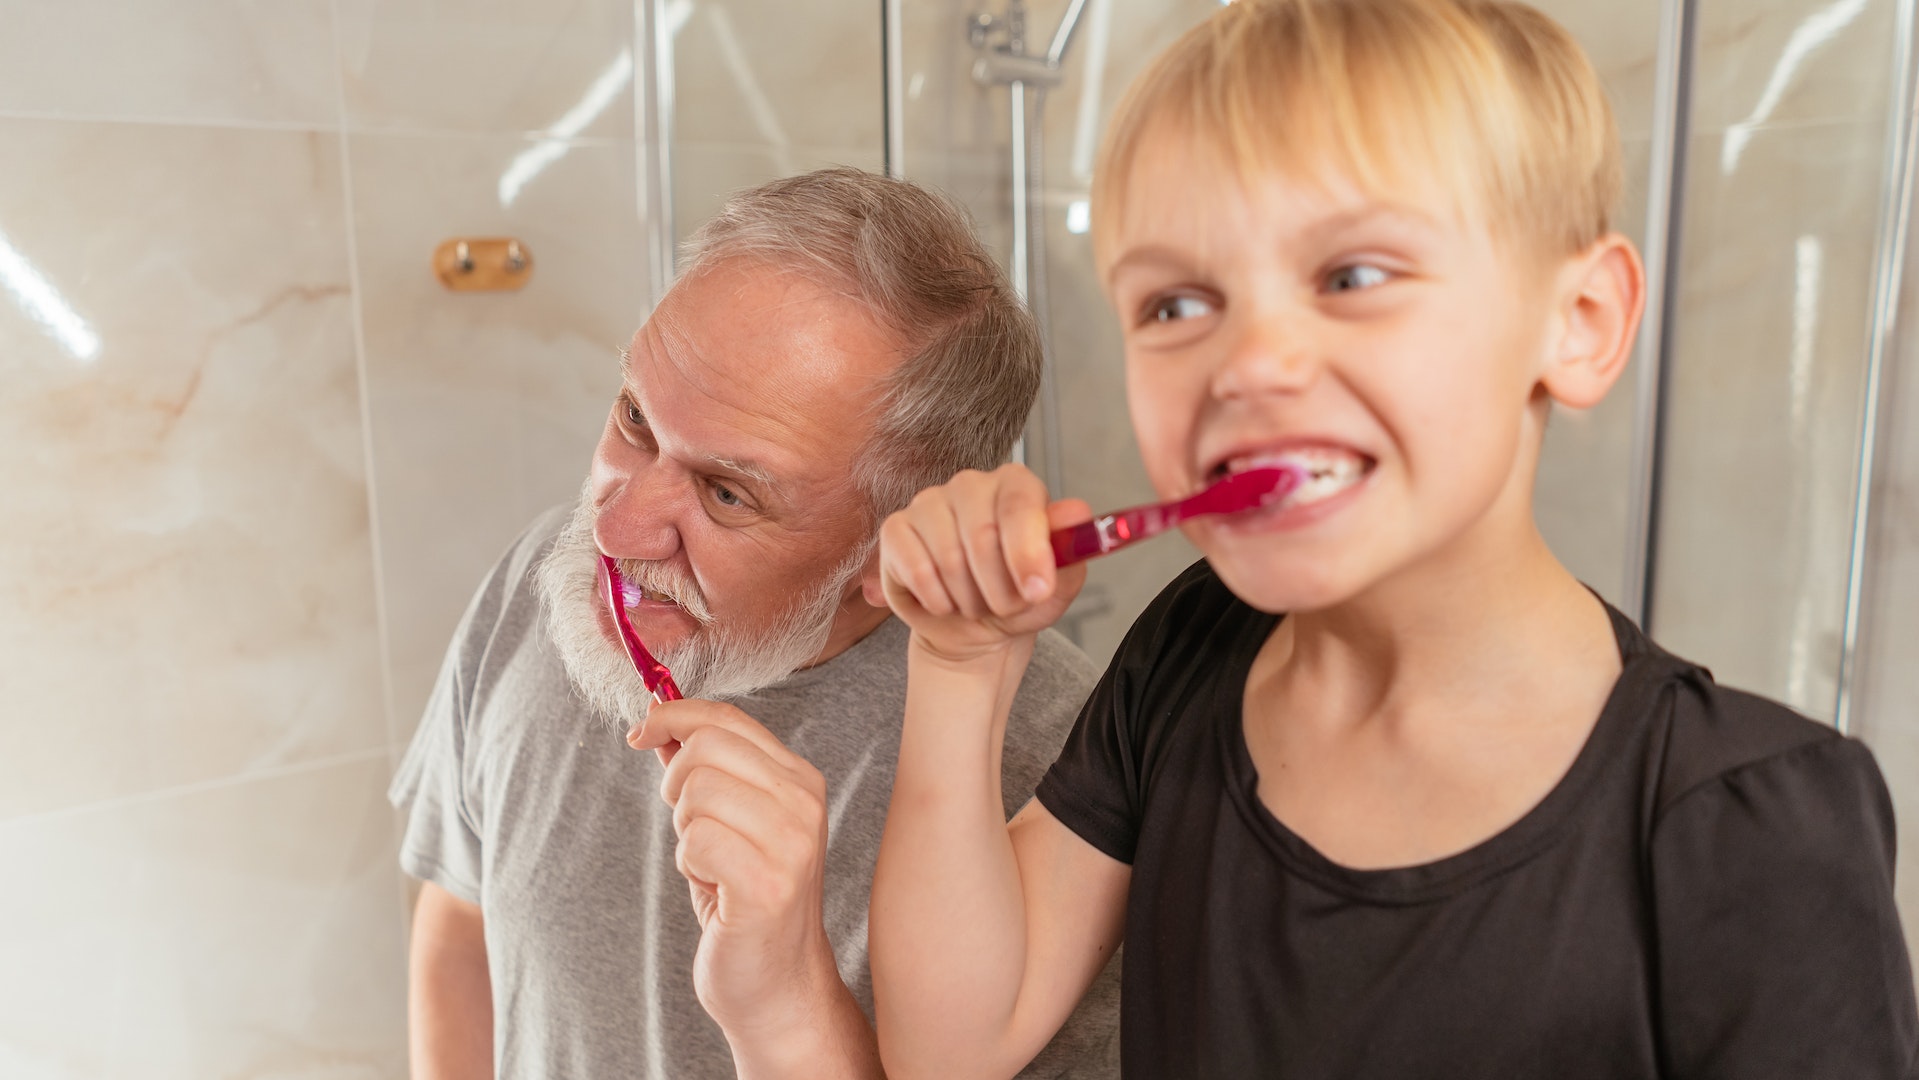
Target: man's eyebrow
column 748, row 469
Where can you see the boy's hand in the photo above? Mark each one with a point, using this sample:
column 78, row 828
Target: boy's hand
column 969, row 565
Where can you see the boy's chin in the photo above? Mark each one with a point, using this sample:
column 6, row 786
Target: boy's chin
column 1281, row 586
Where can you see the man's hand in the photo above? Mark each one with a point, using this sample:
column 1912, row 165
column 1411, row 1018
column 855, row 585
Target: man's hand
column 751, row 820
column 969, row 566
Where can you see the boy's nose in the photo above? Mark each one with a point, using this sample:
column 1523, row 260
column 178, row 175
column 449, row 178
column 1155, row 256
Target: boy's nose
column 637, row 515
column 1269, row 355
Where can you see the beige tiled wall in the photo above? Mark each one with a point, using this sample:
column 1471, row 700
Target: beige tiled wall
column 258, row 459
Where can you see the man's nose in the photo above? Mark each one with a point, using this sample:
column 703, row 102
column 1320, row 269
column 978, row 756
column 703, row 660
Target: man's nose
column 1269, row 351
column 638, row 514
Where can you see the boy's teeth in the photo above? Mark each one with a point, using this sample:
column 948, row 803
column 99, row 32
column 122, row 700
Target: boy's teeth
column 1326, row 471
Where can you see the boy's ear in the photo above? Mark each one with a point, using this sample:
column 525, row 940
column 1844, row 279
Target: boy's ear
column 1601, row 298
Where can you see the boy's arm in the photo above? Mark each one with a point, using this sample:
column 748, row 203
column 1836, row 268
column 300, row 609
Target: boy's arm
column 450, row 1000
column 983, row 935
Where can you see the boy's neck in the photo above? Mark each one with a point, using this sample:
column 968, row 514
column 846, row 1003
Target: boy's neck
column 1485, row 611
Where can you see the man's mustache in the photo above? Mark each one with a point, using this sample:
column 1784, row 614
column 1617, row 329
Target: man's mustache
column 665, row 579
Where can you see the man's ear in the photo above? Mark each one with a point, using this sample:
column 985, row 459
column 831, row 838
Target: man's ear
column 1602, row 295
column 870, row 588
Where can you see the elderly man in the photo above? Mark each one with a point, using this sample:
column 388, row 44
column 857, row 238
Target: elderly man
column 837, row 342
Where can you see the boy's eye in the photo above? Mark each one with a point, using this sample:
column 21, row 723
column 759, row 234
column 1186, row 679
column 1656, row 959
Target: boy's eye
column 1357, row 276
column 1171, row 309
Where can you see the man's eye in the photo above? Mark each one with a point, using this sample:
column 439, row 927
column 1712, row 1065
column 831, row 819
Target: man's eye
column 633, row 415
column 1171, row 309
column 1357, row 276
column 725, row 496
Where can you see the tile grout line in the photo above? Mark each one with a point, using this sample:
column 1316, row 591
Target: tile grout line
column 357, row 292
column 380, row 607
column 197, row 787
column 297, row 128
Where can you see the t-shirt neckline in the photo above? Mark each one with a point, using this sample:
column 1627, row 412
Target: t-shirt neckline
column 1641, row 664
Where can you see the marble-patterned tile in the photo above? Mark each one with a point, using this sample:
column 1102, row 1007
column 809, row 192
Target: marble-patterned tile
column 782, row 75
column 197, row 60
column 1765, row 62
column 251, row 929
column 489, row 66
column 1763, row 410
column 704, row 174
column 485, row 406
column 186, row 582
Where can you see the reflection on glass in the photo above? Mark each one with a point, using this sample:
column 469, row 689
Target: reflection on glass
column 1819, row 28
column 534, row 160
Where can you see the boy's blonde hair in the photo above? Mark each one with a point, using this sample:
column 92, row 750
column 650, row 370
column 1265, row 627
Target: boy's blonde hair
column 1492, row 98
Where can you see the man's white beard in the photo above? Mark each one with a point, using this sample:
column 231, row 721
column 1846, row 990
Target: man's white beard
column 713, row 662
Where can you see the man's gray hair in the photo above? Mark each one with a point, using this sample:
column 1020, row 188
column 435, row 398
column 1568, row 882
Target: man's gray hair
column 972, row 354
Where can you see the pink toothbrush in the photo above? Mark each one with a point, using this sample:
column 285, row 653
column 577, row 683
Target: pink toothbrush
column 1249, row 490
column 613, row 591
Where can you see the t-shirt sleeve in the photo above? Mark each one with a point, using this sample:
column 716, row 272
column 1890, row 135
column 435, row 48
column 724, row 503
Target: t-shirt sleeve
column 442, row 839
column 433, row 786
column 1097, row 786
column 1779, row 947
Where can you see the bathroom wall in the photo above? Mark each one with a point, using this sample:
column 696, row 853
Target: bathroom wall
column 257, row 458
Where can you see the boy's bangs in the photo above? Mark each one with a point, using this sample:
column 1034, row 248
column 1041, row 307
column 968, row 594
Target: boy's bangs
column 1407, row 100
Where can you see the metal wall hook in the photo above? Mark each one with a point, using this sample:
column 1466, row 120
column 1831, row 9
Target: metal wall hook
column 482, row 264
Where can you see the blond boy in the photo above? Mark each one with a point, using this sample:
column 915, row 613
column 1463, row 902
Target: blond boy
column 1378, row 789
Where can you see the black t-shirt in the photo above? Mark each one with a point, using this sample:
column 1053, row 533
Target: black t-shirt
column 1706, row 893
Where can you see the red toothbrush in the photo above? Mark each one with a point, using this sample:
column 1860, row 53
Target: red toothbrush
column 652, row 672
column 1249, row 490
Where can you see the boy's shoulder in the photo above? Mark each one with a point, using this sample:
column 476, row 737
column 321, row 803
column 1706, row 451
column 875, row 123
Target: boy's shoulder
column 1191, row 608
column 1711, row 731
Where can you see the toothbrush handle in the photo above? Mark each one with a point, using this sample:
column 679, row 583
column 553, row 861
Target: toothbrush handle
column 1110, row 532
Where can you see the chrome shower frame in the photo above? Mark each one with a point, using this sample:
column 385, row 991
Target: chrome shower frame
column 1005, row 61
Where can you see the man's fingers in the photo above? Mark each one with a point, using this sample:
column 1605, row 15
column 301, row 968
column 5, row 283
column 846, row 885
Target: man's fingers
column 675, row 721
column 714, row 854
column 753, row 812
column 717, row 748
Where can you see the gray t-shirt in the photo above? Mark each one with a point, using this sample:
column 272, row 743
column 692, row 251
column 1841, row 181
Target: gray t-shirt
column 520, row 800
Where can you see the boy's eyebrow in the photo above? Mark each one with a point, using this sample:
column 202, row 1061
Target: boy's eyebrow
column 1331, row 225
column 1148, row 255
